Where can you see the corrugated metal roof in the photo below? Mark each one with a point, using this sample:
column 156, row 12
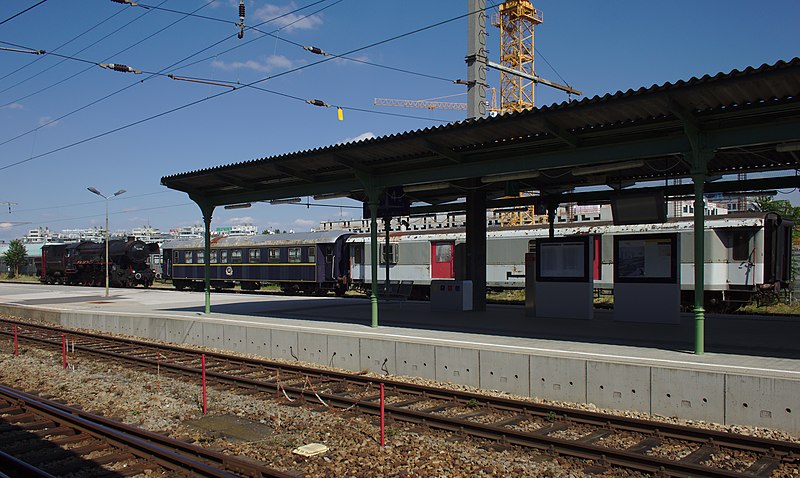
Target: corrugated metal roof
column 538, row 139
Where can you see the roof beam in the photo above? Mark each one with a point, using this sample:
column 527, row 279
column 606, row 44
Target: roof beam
column 351, row 164
column 560, row 133
column 445, row 152
column 235, row 181
column 293, row 173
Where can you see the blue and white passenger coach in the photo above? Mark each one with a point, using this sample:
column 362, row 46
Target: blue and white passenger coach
column 314, row 262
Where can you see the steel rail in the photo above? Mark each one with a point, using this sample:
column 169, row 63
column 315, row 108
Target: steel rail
column 166, row 452
column 772, row 451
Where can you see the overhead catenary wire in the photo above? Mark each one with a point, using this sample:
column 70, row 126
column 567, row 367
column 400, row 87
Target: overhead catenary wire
column 96, row 25
column 202, row 100
column 22, row 12
column 138, row 82
column 64, row 58
column 317, row 50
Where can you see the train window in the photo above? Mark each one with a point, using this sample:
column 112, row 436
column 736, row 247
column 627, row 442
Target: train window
column 740, row 248
column 176, row 258
column 294, row 254
column 312, row 254
column 392, row 253
column 357, row 253
column 188, row 257
column 236, row 256
column 444, row 252
column 215, row 257
column 223, row 257
column 200, row 257
column 255, row 256
column 274, row 255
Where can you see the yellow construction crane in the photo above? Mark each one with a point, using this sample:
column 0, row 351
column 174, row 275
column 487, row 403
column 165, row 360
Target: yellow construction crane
column 432, row 104
column 516, row 20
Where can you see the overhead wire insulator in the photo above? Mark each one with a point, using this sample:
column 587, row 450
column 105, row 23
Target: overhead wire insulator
column 315, row 50
column 241, row 19
column 126, row 2
column 23, row 50
column 119, row 67
column 318, row 103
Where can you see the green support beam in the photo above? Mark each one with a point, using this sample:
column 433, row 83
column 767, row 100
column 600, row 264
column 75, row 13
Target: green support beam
column 373, row 246
column 208, row 211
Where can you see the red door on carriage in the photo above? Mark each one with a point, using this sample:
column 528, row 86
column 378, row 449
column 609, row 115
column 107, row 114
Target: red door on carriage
column 442, row 260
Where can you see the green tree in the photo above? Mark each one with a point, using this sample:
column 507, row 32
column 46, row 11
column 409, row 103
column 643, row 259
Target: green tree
column 782, row 207
column 15, row 256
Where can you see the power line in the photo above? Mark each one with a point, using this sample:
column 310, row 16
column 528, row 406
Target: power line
column 141, row 81
column 55, row 49
column 127, row 197
column 202, row 100
column 89, row 46
column 20, row 13
column 272, row 34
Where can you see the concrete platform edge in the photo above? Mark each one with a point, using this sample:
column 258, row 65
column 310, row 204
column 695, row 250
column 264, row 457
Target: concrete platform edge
column 687, row 392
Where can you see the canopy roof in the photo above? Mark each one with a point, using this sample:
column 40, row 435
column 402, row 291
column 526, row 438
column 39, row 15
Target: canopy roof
column 749, row 120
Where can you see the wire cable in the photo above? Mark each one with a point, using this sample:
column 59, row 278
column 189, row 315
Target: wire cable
column 202, row 100
column 102, row 61
column 132, row 84
column 55, row 49
column 24, row 11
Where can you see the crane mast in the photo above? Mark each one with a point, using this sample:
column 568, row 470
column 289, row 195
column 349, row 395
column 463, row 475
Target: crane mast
column 516, row 20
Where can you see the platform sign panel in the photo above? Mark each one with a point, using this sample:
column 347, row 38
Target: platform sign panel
column 562, row 259
column 646, row 258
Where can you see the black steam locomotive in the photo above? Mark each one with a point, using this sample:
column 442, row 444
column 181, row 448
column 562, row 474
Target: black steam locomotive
column 84, row 263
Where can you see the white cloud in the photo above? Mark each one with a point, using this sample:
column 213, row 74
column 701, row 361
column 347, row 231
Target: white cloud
column 281, row 17
column 305, row 222
column 361, row 137
column 264, row 65
column 240, row 221
column 47, row 121
column 13, row 106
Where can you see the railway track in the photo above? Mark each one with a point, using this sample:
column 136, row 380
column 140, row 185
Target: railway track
column 609, row 441
column 43, row 438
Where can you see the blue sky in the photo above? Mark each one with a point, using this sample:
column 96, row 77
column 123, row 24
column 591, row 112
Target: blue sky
column 598, row 47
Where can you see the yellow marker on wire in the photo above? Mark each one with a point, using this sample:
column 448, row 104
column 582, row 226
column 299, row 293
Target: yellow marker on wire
column 340, row 114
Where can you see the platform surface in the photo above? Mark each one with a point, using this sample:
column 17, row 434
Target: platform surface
column 754, row 345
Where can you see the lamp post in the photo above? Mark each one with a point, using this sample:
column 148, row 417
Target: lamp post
column 91, row 189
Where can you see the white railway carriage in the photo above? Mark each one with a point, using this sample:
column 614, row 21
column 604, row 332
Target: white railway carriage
column 744, row 255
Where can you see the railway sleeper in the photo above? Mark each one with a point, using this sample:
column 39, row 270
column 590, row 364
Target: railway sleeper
column 700, row 455
column 764, row 466
column 595, row 436
column 556, row 427
column 508, row 421
column 645, row 445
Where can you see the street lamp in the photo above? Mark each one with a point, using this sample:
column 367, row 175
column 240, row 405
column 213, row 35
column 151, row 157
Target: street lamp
column 106, row 198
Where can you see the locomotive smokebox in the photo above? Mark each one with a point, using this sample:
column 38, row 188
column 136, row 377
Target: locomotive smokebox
column 135, row 251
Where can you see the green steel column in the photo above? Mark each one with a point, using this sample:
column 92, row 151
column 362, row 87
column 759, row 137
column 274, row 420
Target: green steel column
column 207, row 212
column 699, row 263
column 373, row 245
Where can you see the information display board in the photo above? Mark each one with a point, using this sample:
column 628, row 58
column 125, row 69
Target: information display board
column 562, row 259
column 646, row 258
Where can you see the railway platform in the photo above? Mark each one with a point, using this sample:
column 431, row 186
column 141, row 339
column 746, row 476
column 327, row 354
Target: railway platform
column 750, row 374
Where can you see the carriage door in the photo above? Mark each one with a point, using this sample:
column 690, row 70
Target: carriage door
column 442, row 260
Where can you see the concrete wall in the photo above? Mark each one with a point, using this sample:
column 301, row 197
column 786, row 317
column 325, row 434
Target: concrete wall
column 719, row 397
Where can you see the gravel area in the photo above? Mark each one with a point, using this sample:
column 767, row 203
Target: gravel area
column 164, row 405
column 173, row 408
